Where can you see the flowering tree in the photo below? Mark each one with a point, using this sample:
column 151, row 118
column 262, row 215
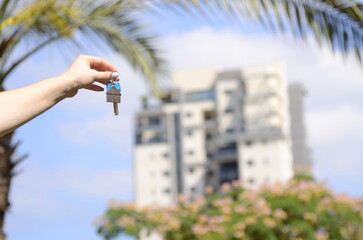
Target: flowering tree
column 300, row 209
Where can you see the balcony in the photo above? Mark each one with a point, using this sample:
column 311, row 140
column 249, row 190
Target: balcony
column 228, row 151
column 200, row 96
column 259, row 97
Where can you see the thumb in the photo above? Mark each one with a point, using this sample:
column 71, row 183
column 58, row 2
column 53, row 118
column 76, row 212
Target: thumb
column 102, row 77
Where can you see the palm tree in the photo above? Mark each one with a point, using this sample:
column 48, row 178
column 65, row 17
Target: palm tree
column 39, row 23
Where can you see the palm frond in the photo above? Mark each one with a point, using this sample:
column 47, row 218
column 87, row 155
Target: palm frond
column 114, row 23
column 338, row 23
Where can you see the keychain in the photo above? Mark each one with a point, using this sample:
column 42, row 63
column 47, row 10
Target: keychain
column 114, row 92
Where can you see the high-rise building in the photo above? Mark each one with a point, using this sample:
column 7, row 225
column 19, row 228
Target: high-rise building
column 300, row 151
column 214, row 127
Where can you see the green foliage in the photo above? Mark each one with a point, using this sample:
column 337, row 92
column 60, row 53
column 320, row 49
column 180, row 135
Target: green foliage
column 296, row 210
column 304, row 177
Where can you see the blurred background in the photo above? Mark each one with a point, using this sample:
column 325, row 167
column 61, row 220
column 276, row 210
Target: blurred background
column 81, row 156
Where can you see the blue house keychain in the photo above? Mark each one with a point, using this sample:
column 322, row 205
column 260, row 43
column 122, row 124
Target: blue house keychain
column 113, row 92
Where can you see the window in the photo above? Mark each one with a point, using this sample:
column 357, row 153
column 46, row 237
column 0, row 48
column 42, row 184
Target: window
column 166, row 155
column 209, row 136
column 250, row 162
column 251, row 180
column 167, row 190
column 249, row 143
column 230, row 130
column 228, row 172
column 228, row 92
column 154, row 121
column 199, row 96
column 229, row 110
column 138, row 138
column 188, row 114
column 209, row 115
column 191, row 153
column 230, row 147
column 190, row 132
column 191, row 170
column 166, row 173
column 193, row 190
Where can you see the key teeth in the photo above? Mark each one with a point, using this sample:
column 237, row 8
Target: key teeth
column 115, row 109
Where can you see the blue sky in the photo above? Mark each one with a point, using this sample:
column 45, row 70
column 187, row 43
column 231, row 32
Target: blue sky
column 81, row 155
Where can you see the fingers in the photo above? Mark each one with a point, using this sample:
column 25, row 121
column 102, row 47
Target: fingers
column 94, row 87
column 102, row 77
column 100, row 64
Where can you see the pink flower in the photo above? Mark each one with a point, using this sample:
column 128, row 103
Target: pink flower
column 203, row 219
column 310, row 217
column 237, row 183
column 182, row 198
column 240, row 226
column 280, row 214
column 240, row 209
column 209, row 190
column 321, row 235
column 226, row 187
column 226, row 210
column 250, row 220
column 269, row 222
column 239, row 234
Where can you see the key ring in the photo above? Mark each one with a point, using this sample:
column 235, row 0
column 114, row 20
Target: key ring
column 114, row 75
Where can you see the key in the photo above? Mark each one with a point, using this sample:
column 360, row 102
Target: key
column 114, row 92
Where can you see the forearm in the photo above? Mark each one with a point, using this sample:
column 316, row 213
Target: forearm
column 23, row 104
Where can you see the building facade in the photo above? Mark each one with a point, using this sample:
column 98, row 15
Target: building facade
column 215, row 127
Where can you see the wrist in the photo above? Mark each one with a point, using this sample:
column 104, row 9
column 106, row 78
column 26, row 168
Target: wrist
column 63, row 87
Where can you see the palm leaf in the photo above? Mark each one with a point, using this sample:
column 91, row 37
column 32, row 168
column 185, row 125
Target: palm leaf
column 112, row 22
column 337, row 23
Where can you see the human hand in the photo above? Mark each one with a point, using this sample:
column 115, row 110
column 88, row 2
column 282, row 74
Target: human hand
column 86, row 70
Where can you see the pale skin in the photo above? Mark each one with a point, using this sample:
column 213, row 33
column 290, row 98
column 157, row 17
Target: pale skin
column 21, row 105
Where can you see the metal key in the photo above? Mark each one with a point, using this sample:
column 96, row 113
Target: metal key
column 114, row 92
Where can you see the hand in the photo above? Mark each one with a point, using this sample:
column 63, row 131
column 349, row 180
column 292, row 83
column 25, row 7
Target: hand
column 86, row 70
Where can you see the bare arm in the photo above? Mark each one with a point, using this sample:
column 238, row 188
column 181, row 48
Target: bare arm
column 20, row 105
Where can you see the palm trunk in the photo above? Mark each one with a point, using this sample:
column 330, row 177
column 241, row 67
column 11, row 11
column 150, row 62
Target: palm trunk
column 8, row 161
column 6, row 167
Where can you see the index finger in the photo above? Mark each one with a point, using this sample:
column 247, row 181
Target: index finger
column 100, row 64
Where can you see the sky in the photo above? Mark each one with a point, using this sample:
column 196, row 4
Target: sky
column 80, row 155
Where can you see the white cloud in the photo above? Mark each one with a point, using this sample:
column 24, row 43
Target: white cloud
column 340, row 125
column 327, row 77
column 336, row 135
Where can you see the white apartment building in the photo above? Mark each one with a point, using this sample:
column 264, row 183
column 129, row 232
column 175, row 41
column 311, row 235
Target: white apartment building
column 215, row 127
